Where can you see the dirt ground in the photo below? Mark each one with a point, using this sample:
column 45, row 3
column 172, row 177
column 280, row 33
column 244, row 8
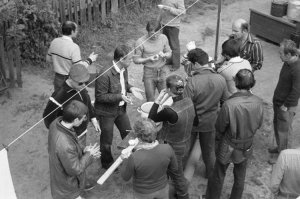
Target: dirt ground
column 28, row 157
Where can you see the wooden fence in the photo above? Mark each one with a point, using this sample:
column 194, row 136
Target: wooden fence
column 89, row 11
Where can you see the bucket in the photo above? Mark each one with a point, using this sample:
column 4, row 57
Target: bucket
column 279, row 8
column 293, row 11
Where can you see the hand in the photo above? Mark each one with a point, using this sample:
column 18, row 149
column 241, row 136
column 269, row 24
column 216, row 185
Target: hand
column 161, row 96
column 93, row 56
column 96, row 125
column 94, row 150
column 154, row 58
column 125, row 154
column 160, row 6
column 127, row 99
column 162, row 54
column 137, row 92
column 284, row 108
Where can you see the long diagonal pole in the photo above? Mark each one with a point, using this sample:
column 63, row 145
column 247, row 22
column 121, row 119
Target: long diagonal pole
column 218, row 29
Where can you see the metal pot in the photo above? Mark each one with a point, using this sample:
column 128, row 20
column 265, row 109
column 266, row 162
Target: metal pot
column 145, row 108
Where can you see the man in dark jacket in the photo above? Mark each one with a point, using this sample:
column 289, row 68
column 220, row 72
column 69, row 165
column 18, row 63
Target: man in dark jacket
column 177, row 126
column 286, row 95
column 111, row 99
column 240, row 117
column 72, row 89
column 67, row 160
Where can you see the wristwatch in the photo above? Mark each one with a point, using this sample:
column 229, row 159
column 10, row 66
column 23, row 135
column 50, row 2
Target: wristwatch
column 284, row 108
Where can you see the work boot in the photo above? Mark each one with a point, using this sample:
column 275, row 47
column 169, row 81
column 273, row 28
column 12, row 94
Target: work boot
column 273, row 150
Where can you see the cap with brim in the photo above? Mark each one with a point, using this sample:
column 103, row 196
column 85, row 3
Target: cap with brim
column 79, row 73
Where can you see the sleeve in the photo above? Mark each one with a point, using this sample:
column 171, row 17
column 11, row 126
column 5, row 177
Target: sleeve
column 52, row 110
column 277, row 173
column 127, row 85
column 127, row 169
column 178, row 8
column 173, row 165
column 257, row 56
column 166, row 114
column 91, row 108
column 71, row 162
column 222, row 121
column 49, row 55
column 167, row 48
column 188, row 90
column 76, row 57
column 225, row 94
column 293, row 97
column 102, row 91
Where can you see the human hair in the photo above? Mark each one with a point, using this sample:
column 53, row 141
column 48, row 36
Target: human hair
column 152, row 25
column 68, row 27
column 74, row 109
column 289, row 46
column 245, row 26
column 198, row 55
column 244, row 79
column 176, row 84
column 145, row 129
column 121, row 51
column 231, row 48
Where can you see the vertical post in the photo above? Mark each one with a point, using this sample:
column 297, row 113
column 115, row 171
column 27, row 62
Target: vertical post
column 11, row 68
column 103, row 11
column 89, row 6
column 76, row 4
column 3, row 66
column 82, row 12
column 70, row 13
column 114, row 6
column 96, row 11
column 62, row 11
column 218, row 29
column 18, row 67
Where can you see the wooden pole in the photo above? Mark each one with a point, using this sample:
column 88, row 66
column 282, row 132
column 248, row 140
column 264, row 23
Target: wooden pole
column 218, row 29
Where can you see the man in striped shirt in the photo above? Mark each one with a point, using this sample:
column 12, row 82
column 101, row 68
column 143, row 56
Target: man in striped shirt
column 63, row 53
column 250, row 49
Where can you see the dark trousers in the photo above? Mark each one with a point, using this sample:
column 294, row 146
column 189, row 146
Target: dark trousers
column 107, row 127
column 207, row 144
column 172, row 34
column 180, row 182
column 215, row 183
column 283, row 125
column 59, row 81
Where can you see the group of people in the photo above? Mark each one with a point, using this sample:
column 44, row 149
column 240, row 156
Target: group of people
column 213, row 104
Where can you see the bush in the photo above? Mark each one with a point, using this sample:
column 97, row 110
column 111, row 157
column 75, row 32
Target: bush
column 32, row 27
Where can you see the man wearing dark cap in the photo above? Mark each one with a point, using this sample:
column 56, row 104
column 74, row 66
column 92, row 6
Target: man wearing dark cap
column 238, row 120
column 176, row 131
column 72, row 89
column 63, row 53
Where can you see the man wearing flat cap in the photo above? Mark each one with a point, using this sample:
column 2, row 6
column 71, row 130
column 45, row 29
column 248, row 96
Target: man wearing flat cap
column 72, row 89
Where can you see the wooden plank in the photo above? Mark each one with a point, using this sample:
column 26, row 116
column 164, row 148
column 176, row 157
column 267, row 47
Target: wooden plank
column 62, row 11
column 103, row 11
column 114, row 6
column 89, row 10
column 18, row 67
column 76, row 4
column 70, row 13
column 11, row 69
column 82, row 12
column 96, row 11
column 3, row 65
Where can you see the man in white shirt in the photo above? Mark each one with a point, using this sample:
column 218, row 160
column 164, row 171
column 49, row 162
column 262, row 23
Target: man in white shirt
column 63, row 53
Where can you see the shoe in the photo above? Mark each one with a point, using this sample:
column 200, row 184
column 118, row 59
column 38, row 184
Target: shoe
column 89, row 184
column 273, row 150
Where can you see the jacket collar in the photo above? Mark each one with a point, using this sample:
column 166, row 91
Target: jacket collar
column 203, row 70
column 67, row 38
column 63, row 129
column 240, row 94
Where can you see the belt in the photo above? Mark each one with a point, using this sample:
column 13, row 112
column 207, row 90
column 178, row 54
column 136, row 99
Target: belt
column 60, row 75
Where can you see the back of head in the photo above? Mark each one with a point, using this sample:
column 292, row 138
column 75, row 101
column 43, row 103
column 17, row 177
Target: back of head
column 289, row 46
column 198, row 55
column 231, row 48
column 176, row 84
column 152, row 25
column 244, row 79
column 121, row 51
column 74, row 109
column 79, row 73
column 242, row 24
column 68, row 27
column 145, row 129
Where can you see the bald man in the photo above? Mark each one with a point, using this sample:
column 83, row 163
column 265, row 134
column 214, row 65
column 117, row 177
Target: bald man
column 250, row 49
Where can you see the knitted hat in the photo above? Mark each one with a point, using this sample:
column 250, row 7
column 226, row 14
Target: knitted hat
column 79, row 73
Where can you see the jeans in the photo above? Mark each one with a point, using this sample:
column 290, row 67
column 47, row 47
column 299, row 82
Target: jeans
column 215, row 183
column 172, row 34
column 160, row 194
column 107, row 127
column 59, row 81
column 180, row 182
column 207, row 144
column 154, row 78
column 283, row 125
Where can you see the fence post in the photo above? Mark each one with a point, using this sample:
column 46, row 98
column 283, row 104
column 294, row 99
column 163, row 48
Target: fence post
column 96, row 11
column 114, row 6
column 76, row 3
column 3, row 65
column 103, row 11
column 11, row 69
column 18, row 67
column 62, row 10
column 70, row 13
column 89, row 6
column 82, row 12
